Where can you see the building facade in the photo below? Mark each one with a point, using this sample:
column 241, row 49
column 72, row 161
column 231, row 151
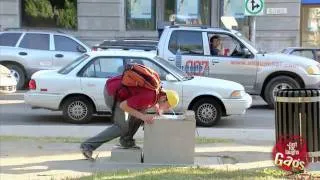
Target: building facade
column 282, row 24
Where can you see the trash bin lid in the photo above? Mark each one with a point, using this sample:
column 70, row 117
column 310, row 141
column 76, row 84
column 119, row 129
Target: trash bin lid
column 298, row 95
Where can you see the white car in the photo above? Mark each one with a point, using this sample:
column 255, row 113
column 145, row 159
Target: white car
column 77, row 89
column 8, row 82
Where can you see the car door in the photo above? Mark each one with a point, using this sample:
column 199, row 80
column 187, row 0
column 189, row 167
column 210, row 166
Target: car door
column 162, row 73
column 65, row 50
column 185, row 50
column 95, row 75
column 34, row 48
column 234, row 62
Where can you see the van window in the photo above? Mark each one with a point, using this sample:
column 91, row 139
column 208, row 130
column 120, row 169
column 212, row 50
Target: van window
column 35, row 41
column 62, row 43
column 304, row 53
column 225, row 45
column 188, row 42
column 9, row 39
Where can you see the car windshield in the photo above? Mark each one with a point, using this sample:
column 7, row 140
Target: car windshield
column 247, row 41
column 178, row 72
column 68, row 68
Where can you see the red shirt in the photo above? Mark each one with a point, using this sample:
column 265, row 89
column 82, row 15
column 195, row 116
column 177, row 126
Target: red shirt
column 136, row 97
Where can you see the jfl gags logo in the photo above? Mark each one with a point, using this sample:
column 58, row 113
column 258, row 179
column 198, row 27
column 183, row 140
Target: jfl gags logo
column 290, row 154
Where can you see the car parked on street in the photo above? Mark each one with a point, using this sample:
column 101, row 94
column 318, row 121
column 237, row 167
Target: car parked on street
column 27, row 51
column 311, row 53
column 77, row 89
column 7, row 82
column 191, row 49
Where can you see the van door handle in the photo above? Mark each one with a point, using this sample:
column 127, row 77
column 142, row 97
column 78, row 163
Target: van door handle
column 23, row 53
column 59, row 55
column 215, row 62
column 171, row 58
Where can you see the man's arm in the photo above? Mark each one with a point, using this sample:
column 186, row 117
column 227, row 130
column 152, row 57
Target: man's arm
column 144, row 117
column 157, row 109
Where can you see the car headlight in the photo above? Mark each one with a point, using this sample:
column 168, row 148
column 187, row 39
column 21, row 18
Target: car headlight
column 237, row 94
column 313, row 70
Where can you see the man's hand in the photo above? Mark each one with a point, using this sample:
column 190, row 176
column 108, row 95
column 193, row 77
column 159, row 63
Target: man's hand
column 159, row 111
column 148, row 118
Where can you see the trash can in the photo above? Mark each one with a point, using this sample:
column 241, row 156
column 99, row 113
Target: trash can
column 297, row 113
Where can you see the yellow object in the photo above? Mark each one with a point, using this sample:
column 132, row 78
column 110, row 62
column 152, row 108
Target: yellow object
column 313, row 70
column 173, row 98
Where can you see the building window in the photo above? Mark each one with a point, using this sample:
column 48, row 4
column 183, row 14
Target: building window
column 49, row 13
column 188, row 11
column 310, row 25
column 140, row 14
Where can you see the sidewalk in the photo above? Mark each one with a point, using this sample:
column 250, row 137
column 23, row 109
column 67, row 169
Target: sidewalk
column 44, row 160
column 38, row 160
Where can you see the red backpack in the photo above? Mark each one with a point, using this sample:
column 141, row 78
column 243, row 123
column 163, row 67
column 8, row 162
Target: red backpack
column 134, row 75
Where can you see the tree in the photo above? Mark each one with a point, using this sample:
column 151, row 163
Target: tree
column 62, row 13
column 42, row 9
column 67, row 17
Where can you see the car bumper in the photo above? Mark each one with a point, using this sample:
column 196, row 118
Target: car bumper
column 237, row 106
column 41, row 100
column 313, row 82
column 7, row 89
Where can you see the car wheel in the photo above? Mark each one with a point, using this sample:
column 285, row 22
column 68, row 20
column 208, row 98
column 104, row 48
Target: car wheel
column 276, row 84
column 77, row 110
column 18, row 73
column 207, row 112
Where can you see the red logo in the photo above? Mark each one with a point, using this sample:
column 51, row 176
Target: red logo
column 290, row 154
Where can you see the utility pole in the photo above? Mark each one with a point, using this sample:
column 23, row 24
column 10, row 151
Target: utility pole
column 252, row 29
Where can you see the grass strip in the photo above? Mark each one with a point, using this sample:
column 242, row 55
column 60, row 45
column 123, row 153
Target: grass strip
column 185, row 173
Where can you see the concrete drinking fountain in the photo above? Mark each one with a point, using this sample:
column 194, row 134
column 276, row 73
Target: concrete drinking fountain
column 169, row 140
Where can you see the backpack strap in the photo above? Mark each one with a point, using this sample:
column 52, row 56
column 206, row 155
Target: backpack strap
column 115, row 98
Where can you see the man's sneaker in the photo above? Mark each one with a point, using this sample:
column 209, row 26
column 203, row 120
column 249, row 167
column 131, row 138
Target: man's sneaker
column 127, row 143
column 87, row 153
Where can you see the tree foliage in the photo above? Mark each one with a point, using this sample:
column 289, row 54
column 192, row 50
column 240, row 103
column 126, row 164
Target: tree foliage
column 36, row 8
column 65, row 17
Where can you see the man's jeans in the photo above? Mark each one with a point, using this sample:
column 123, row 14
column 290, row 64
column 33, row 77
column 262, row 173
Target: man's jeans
column 124, row 126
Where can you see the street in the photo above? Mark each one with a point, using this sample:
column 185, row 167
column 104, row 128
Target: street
column 13, row 111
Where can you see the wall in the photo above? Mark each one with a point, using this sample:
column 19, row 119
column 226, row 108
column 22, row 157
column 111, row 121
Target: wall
column 104, row 19
column 9, row 13
column 275, row 32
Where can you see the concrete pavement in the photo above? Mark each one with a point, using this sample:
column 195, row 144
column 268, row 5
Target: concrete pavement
column 40, row 160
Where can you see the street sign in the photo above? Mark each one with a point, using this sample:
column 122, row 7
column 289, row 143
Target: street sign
column 253, row 7
column 277, row 11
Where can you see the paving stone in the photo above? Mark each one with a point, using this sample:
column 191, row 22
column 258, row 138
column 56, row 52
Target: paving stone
column 119, row 154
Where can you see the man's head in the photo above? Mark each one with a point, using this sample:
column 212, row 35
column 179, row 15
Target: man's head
column 215, row 41
column 169, row 99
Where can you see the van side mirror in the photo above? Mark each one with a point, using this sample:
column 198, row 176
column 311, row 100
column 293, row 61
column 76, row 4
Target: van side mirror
column 81, row 49
column 246, row 52
column 171, row 78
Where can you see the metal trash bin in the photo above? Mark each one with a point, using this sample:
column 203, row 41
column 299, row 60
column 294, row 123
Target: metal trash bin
column 297, row 112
